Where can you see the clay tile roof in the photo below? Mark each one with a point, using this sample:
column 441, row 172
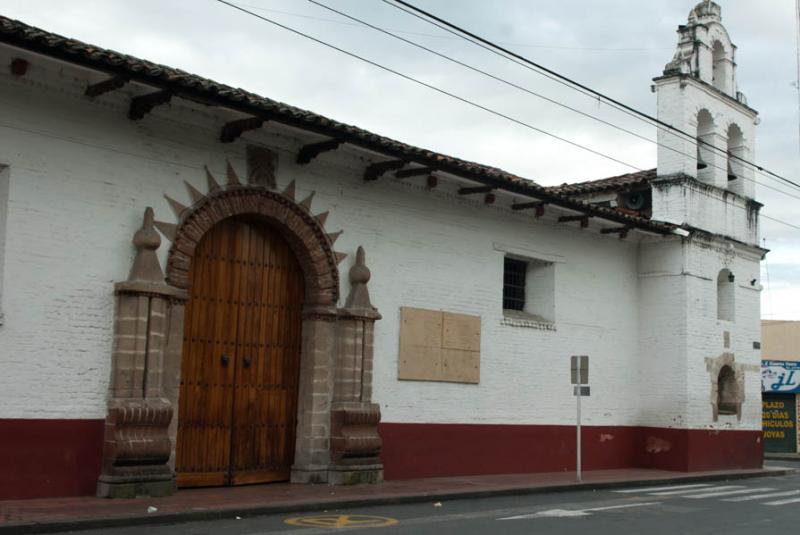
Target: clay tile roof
column 193, row 87
column 614, row 183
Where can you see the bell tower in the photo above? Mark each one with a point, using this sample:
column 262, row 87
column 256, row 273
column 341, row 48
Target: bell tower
column 698, row 94
column 699, row 290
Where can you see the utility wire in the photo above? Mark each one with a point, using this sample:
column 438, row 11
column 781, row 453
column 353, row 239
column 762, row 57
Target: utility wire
column 440, row 36
column 432, row 87
column 362, row 22
column 319, row 41
column 564, row 80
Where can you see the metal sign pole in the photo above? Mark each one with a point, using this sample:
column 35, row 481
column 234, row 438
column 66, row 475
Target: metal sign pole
column 579, row 374
column 578, row 427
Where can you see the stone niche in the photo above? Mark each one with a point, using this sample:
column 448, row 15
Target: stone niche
column 727, row 386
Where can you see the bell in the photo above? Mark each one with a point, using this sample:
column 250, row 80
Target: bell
column 731, row 174
column 700, row 163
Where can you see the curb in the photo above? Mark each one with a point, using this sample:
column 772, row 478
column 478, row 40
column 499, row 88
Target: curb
column 219, row 514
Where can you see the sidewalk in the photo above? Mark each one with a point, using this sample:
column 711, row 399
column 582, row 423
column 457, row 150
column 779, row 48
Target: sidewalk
column 61, row 514
column 782, row 456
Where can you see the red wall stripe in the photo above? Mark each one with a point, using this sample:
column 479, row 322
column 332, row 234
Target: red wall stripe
column 433, row 450
column 49, row 458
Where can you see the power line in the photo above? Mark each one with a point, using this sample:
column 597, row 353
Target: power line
column 564, row 80
column 319, row 41
column 362, row 22
column 432, row 87
column 439, row 36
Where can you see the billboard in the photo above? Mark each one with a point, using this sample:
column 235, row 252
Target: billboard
column 780, row 377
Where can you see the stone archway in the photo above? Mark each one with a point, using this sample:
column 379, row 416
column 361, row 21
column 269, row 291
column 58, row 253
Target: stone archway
column 337, row 438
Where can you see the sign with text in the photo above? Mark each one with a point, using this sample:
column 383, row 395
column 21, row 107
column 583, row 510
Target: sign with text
column 579, row 368
column 779, row 419
column 780, row 376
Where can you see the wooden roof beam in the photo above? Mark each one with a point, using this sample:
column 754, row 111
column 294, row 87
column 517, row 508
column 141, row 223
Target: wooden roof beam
column 233, row 129
column 309, row 152
column 536, row 205
column 376, row 170
column 622, row 231
column 584, row 219
column 106, row 86
column 475, row 189
column 144, row 104
column 406, row 173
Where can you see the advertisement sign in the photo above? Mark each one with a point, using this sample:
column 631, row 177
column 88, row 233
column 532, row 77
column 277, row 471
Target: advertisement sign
column 779, row 423
column 780, row 376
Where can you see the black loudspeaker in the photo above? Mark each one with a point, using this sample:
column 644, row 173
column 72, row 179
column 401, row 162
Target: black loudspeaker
column 633, row 200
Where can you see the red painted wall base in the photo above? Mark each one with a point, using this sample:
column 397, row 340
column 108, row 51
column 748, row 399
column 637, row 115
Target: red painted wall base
column 432, row 450
column 49, row 458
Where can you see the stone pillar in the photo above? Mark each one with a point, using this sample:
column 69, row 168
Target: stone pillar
column 148, row 317
column 355, row 442
column 312, row 445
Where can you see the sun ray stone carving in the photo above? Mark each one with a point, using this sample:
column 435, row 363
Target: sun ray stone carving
column 234, row 198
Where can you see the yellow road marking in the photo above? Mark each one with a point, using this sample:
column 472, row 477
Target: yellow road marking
column 342, row 521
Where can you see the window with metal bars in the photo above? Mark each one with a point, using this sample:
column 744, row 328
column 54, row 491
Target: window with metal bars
column 514, row 284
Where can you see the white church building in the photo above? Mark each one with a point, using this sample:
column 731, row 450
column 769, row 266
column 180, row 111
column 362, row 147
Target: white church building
column 200, row 286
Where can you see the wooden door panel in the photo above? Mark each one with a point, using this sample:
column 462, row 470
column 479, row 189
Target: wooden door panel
column 266, row 412
column 237, row 421
column 209, row 362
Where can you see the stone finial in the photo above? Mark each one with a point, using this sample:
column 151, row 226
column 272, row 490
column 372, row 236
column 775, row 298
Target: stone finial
column 358, row 298
column 146, row 267
column 705, row 10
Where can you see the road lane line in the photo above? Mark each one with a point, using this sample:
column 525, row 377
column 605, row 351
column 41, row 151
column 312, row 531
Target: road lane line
column 568, row 513
column 727, row 493
column 690, row 491
column 763, row 496
column 783, row 502
column 673, row 487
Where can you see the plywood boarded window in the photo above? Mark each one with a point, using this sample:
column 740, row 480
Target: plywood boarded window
column 439, row 346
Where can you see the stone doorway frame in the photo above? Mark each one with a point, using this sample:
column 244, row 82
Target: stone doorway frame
column 336, row 436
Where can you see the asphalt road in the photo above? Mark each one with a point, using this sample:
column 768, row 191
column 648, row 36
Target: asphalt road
column 751, row 506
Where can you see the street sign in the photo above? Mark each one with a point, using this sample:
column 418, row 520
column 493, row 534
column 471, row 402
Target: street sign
column 579, row 373
column 579, row 369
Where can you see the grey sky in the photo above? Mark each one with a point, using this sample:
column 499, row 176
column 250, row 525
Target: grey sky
column 614, row 46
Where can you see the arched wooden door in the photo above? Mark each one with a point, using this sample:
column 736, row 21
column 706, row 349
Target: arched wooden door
column 241, row 358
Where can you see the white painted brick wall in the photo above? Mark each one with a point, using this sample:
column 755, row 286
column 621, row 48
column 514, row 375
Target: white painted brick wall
column 81, row 174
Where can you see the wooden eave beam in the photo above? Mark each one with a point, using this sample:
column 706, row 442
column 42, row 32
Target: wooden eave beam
column 144, row 104
column 233, row 129
column 376, row 170
column 309, row 152
column 406, row 173
column 584, row 219
column 199, row 94
column 622, row 231
column 527, row 205
column 106, row 86
column 475, row 189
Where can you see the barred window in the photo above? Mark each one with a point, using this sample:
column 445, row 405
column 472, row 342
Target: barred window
column 514, row 272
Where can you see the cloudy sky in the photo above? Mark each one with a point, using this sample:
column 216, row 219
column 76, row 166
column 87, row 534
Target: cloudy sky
column 614, row 46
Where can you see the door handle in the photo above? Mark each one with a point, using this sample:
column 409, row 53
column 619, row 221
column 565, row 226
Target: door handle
column 224, row 359
column 247, row 362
